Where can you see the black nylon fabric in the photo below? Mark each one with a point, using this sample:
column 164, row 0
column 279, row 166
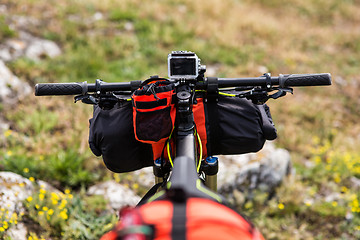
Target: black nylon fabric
column 111, row 135
column 240, row 126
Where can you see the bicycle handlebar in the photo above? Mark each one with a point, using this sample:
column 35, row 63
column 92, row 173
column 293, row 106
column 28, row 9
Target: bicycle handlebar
column 291, row 80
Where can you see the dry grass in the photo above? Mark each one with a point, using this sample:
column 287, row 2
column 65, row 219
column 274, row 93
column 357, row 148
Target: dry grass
column 239, row 38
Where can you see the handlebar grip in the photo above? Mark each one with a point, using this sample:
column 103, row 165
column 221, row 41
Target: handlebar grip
column 44, row 89
column 293, row 80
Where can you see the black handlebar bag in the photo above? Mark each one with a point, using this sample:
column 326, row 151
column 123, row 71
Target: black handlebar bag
column 236, row 125
column 111, row 135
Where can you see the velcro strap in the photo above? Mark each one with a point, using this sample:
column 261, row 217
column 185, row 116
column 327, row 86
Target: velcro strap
column 212, row 97
column 212, row 86
column 151, row 104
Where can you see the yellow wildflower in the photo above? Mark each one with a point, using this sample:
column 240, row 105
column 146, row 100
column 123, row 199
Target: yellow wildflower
column 29, row 199
column 2, row 229
column 43, row 191
column 41, row 213
column 344, row 189
column 63, row 204
column 14, row 216
column 5, row 225
column 67, row 191
column 26, row 170
column 317, row 159
column 50, row 212
column 63, row 215
column 334, row 203
column 41, row 196
column 281, row 206
column 315, row 140
column 31, row 179
column 9, row 153
column 37, row 206
column 7, row 133
column 45, row 208
column 337, row 178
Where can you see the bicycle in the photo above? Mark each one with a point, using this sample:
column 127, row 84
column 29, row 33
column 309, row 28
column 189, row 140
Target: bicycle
column 187, row 175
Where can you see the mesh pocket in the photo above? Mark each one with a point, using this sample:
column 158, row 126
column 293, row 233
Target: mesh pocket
column 153, row 126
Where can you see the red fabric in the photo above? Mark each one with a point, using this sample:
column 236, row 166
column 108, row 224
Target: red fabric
column 206, row 220
column 151, row 98
column 199, row 118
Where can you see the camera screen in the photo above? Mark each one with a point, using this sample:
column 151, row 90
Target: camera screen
column 183, row 66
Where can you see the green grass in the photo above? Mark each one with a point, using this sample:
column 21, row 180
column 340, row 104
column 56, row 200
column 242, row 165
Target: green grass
column 131, row 42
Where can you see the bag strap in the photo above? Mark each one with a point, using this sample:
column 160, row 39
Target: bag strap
column 178, row 231
column 212, row 97
column 153, row 79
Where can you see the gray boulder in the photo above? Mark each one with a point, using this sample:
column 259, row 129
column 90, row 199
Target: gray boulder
column 14, row 190
column 264, row 170
column 117, row 194
column 12, row 89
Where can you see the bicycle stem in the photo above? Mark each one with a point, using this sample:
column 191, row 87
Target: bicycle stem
column 185, row 138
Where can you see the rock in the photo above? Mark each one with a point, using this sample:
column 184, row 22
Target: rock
column 333, row 197
column 117, row 195
column 145, row 177
column 264, row 170
column 18, row 232
column 12, row 88
column 27, row 45
column 14, row 189
column 355, row 182
column 48, row 187
column 98, row 16
column 262, row 69
column 12, row 49
column 39, row 48
column 212, row 70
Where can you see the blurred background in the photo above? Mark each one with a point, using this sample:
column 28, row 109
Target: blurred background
column 45, row 138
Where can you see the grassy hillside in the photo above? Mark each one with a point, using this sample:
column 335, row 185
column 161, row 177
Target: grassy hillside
column 130, row 39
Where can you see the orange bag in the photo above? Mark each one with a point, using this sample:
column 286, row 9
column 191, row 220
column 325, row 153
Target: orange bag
column 195, row 219
column 154, row 110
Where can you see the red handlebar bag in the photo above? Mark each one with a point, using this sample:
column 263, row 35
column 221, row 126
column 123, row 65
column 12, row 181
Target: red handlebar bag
column 154, row 111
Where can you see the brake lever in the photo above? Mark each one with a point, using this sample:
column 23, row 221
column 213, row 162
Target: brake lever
column 87, row 99
column 256, row 95
column 281, row 92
